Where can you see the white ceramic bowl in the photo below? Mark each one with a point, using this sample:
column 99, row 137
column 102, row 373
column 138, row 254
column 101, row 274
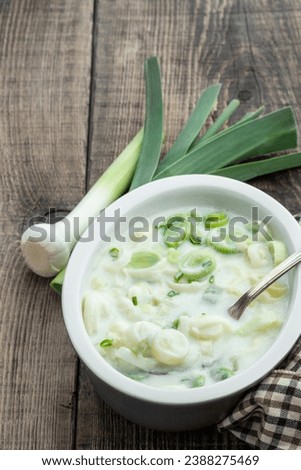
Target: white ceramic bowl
column 198, row 407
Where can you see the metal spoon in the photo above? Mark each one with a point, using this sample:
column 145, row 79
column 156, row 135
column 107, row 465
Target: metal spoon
column 241, row 304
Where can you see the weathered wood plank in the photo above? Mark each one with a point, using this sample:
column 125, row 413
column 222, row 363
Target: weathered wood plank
column 252, row 48
column 45, row 54
column 44, row 92
column 271, row 33
column 99, row 427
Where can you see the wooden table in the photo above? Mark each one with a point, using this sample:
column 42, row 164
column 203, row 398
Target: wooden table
column 71, row 97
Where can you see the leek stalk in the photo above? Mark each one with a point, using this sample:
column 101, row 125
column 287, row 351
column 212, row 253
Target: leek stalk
column 47, row 247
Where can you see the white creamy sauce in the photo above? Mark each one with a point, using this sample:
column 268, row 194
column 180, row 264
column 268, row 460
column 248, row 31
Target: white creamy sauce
column 158, row 313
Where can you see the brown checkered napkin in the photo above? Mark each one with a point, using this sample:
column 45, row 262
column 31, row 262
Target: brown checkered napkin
column 269, row 416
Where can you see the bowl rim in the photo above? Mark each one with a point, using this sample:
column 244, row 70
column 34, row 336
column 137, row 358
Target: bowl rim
column 71, row 300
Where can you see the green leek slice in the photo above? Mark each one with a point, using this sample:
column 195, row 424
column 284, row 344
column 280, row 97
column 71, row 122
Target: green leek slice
column 198, row 381
column 193, row 126
column 143, row 259
column 226, row 246
column 222, row 373
column 196, row 265
column 216, row 219
column 278, row 251
column 114, row 253
column 106, row 343
column 176, row 230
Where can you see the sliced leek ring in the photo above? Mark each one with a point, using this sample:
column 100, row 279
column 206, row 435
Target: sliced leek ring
column 170, row 347
column 216, row 219
column 176, row 230
column 278, row 251
column 196, row 265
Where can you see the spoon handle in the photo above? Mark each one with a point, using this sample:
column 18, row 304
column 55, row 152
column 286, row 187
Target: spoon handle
column 238, row 308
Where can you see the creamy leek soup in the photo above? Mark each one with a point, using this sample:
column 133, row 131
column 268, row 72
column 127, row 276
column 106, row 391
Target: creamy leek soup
column 155, row 305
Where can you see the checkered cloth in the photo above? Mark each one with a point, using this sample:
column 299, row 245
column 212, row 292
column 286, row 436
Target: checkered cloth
column 269, row 416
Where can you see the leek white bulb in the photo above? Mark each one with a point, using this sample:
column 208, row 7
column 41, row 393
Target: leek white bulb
column 44, row 256
column 47, row 247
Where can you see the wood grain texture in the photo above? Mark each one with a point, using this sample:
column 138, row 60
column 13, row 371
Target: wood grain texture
column 45, row 55
column 268, row 65
column 251, row 47
column 50, row 123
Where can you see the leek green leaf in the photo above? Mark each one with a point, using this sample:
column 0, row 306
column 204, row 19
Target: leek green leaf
column 153, row 127
column 247, row 171
column 193, row 126
column 271, row 133
column 219, row 122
